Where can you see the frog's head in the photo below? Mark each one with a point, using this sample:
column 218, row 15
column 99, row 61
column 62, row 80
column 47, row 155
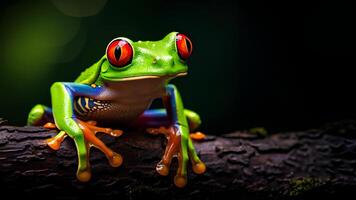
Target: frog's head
column 128, row 60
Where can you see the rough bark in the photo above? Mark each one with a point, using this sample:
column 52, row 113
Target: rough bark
column 293, row 165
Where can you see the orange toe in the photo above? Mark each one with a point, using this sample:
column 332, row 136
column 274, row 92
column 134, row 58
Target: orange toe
column 50, row 125
column 199, row 168
column 162, row 169
column 56, row 141
column 53, row 143
column 197, row 136
column 116, row 133
column 84, row 176
column 180, row 181
column 116, row 160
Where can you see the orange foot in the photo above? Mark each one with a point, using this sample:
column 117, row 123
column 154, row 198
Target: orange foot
column 175, row 148
column 89, row 129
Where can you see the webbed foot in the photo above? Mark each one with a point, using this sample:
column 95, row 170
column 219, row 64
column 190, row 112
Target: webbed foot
column 89, row 131
column 175, row 148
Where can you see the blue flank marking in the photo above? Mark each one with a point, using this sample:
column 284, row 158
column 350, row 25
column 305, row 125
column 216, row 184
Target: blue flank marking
column 91, row 103
column 82, row 102
column 78, row 89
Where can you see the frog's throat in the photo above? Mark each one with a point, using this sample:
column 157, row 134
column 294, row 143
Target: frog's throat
column 150, row 76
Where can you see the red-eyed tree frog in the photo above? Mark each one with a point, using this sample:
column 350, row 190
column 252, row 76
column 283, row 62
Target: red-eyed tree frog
column 119, row 89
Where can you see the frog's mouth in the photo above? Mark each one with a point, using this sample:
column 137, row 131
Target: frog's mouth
column 169, row 76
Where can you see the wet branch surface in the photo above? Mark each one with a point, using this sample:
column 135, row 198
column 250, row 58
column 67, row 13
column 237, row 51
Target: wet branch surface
column 292, row 165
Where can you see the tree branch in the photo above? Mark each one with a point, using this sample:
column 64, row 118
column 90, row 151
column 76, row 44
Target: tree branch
column 319, row 162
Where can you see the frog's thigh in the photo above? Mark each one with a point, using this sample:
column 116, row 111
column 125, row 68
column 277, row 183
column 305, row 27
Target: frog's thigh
column 193, row 119
column 39, row 115
column 158, row 117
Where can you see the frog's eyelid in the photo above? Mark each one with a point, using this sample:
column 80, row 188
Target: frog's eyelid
column 184, row 46
column 120, row 38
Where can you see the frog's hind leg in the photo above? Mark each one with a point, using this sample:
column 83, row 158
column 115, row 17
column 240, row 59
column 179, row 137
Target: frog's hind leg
column 194, row 122
column 40, row 115
column 158, row 119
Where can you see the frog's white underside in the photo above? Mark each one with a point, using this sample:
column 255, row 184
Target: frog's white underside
column 123, row 101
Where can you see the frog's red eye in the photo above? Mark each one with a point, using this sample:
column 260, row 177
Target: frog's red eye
column 184, row 46
column 119, row 53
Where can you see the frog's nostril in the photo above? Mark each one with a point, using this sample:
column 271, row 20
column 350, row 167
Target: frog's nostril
column 155, row 60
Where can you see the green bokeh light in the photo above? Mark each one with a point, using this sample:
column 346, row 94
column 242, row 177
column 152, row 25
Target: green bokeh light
column 34, row 42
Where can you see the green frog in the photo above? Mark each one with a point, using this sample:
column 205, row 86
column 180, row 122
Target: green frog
column 119, row 89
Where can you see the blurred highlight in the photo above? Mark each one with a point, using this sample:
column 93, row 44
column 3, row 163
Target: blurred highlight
column 79, row 8
column 31, row 48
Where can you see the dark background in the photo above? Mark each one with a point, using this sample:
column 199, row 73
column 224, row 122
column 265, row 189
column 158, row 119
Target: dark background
column 283, row 65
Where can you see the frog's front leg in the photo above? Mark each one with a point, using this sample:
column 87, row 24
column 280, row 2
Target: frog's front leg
column 82, row 133
column 176, row 129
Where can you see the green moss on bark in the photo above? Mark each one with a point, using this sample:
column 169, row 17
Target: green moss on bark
column 301, row 185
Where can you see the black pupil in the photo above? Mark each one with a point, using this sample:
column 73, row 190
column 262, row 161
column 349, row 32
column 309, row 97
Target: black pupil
column 188, row 44
column 117, row 52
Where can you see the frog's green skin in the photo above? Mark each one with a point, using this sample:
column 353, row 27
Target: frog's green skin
column 123, row 96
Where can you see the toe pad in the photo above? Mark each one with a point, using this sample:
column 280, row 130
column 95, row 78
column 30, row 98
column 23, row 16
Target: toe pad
column 84, row 176
column 199, row 168
column 180, row 181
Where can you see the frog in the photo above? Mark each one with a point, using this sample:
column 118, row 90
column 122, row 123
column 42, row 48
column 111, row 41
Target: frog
column 119, row 89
